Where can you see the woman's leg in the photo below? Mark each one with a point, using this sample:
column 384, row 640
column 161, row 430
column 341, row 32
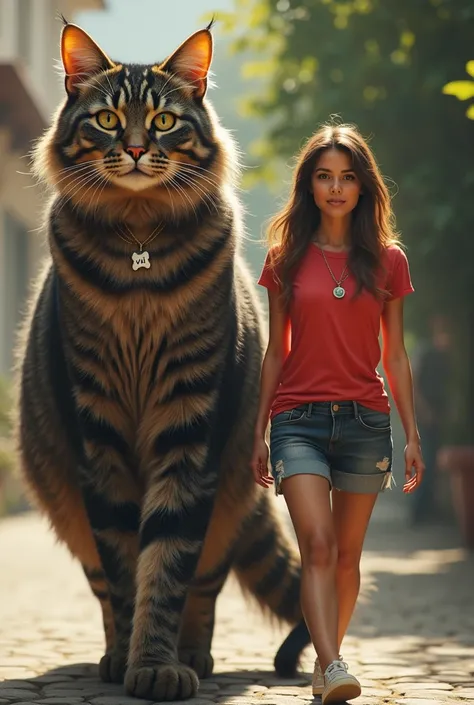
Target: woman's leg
column 351, row 515
column 307, row 497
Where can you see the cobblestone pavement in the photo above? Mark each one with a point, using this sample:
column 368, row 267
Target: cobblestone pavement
column 411, row 641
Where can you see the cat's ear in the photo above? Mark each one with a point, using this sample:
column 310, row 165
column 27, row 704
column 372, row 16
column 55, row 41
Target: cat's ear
column 81, row 56
column 191, row 61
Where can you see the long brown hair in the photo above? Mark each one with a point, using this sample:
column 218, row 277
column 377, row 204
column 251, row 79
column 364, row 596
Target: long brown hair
column 290, row 232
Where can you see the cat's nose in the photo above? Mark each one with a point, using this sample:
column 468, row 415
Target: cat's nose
column 135, row 152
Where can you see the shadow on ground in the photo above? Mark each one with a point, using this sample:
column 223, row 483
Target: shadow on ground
column 80, row 683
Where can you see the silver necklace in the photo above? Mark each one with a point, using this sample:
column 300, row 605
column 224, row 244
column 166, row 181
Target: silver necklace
column 142, row 258
column 339, row 292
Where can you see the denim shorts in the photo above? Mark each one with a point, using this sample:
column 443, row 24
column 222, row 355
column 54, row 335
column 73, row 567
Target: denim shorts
column 347, row 443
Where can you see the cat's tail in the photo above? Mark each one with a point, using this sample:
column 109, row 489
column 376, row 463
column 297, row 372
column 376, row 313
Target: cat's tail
column 268, row 568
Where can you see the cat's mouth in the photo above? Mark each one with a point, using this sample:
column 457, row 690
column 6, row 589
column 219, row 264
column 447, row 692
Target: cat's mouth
column 138, row 178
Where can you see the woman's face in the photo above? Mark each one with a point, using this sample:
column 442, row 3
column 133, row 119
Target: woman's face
column 334, row 183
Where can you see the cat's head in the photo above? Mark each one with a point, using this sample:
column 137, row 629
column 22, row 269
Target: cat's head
column 134, row 133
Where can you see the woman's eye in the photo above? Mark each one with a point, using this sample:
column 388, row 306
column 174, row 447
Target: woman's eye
column 350, row 177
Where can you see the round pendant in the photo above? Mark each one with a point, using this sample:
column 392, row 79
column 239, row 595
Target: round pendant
column 339, row 292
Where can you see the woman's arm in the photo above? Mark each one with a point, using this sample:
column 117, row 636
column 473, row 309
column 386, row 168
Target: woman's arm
column 397, row 368
column 275, row 355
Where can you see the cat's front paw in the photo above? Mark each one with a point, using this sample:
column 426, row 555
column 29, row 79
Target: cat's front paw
column 112, row 667
column 166, row 681
column 199, row 660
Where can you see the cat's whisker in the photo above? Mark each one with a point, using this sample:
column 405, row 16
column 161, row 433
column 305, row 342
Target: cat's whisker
column 189, row 83
column 110, row 83
column 171, row 199
column 206, row 197
column 78, row 165
column 95, row 183
column 79, row 183
column 98, row 194
column 161, row 93
column 69, row 190
column 201, row 177
column 91, row 81
column 197, row 167
column 185, row 196
column 201, row 181
column 77, row 173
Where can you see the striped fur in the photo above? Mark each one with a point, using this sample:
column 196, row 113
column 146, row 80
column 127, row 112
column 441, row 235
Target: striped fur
column 138, row 389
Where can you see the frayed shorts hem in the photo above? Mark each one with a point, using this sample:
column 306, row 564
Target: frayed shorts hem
column 372, row 483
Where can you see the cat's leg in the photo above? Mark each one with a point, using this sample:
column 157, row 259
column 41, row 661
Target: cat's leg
column 175, row 516
column 112, row 505
column 197, row 622
column 98, row 584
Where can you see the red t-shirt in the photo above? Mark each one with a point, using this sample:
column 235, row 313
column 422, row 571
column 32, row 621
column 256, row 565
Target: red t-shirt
column 335, row 346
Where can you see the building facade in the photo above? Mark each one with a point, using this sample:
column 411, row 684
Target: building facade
column 30, row 89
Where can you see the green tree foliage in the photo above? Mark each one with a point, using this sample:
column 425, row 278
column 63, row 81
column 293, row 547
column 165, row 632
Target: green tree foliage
column 382, row 65
column 463, row 90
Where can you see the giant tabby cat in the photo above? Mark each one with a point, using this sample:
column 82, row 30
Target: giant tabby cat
column 140, row 368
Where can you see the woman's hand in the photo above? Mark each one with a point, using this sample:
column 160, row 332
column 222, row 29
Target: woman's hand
column 259, row 463
column 414, row 466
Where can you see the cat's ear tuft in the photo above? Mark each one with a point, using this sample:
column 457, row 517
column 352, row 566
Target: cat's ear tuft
column 191, row 61
column 81, row 57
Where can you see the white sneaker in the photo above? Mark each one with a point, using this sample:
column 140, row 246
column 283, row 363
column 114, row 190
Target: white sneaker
column 318, row 679
column 339, row 685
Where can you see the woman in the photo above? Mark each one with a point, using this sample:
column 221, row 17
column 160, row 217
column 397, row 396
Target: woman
column 334, row 276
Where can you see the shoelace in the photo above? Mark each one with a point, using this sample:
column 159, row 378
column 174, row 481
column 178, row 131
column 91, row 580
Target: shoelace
column 336, row 666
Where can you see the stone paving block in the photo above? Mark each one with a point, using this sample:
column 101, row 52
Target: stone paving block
column 105, row 690
column 191, row 701
column 9, row 674
column 271, row 699
column 77, row 683
column 47, row 680
column 230, row 680
column 206, row 686
column 242, row 689
column 293, row 691
column 78, row 670
column 432, row 685
column 12, row 683
column 415, row 701
column 273, row 681
column 60, row 701
column 120, row 700
column 19, row 694
column 236, row 700
column 377, row 692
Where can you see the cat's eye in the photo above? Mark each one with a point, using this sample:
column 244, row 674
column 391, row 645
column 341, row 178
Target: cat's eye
column 107, row 119
column 164, row 121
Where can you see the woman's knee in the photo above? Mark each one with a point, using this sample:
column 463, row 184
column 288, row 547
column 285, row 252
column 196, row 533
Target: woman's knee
column 348, row 561
column 319, row 549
